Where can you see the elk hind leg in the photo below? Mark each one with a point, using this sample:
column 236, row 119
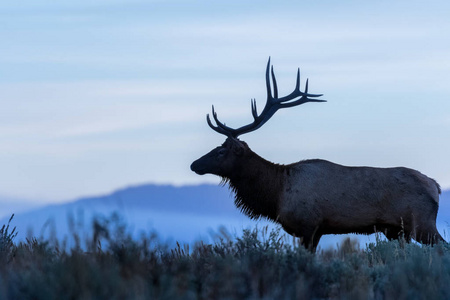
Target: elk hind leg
column 429, row 235
column 310, row 240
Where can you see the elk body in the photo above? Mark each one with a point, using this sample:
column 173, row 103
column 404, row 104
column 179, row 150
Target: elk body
column 311, row 198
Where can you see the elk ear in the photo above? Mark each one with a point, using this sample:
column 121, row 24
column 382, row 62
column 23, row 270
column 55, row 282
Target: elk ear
column 238, row 149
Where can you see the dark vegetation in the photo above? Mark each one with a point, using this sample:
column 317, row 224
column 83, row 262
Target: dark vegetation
column 258, row 265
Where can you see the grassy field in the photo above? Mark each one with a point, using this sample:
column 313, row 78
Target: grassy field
column 258, row 265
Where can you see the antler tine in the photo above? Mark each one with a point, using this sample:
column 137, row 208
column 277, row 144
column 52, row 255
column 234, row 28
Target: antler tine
column 220, row 124
column 254, row 110
column 297, row 92
column 303, row 99
column 297, row 84
column 220, row 128
column 269, row 90
column 275, row 88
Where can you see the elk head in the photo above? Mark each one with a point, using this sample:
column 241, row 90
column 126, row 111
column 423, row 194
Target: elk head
column 223, row 160
column 228, row 158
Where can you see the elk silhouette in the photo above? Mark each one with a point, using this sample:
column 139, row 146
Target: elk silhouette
column 314, row 197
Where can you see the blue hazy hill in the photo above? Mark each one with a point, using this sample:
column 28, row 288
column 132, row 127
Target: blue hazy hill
column 200, row 200
column 444, row 210
column 185, row 214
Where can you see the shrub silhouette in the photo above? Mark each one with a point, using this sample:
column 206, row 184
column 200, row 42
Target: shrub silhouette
column 260, row 264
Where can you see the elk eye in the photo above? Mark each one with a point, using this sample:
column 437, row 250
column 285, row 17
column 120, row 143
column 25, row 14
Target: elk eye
column 222, row 152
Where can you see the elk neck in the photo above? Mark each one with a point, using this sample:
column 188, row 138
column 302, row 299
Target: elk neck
column 257, row 185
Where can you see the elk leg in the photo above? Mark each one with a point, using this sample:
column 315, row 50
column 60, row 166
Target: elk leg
column 394, row 233
column 307, row 242
column 315, row 242
column 429, row 236
column 311, row 239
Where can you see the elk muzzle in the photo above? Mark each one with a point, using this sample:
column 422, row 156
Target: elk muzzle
column 197, row 167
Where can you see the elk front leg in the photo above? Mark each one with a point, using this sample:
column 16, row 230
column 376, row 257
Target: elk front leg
column 310, row 239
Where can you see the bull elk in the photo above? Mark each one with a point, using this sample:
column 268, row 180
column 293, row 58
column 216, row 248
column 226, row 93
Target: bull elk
column 314, row 197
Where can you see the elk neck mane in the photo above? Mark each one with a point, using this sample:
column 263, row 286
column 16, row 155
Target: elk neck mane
column 257, row 186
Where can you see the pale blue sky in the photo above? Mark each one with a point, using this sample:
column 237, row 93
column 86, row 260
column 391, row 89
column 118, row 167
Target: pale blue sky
column 98, row 95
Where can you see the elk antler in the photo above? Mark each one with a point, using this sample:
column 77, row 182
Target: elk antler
column 272, row 105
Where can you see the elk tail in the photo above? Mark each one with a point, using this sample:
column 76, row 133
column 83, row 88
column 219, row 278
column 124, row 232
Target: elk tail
column 438, row 187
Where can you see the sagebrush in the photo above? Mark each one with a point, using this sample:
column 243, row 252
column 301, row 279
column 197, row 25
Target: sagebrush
column 260, row 264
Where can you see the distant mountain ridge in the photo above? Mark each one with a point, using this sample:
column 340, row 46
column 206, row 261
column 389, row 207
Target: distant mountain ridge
column 444, row 207
column 9, row 205
column 185, row 213
column 195, row 199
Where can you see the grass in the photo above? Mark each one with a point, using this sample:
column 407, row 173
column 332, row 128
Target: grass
column 261, row 264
